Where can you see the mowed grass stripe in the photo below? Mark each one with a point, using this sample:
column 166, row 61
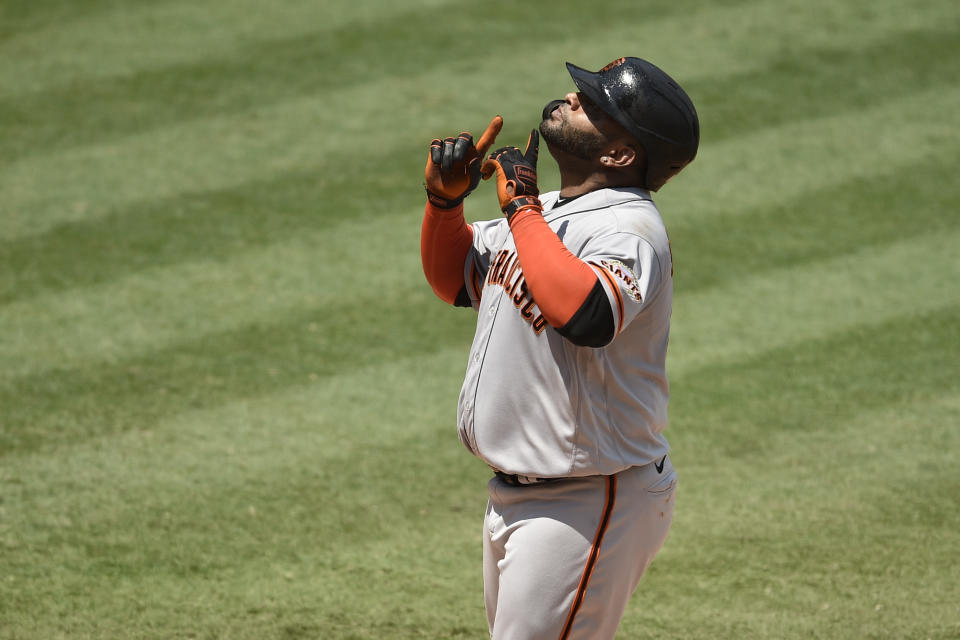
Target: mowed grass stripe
column 832, row 458
column 824, row 81
column 18, row 17
column 354, row 268
column 832, row 454
column 218, row 225
column 72, row 404
column 826, row 524
column 172, row 32
column 828, row 379
column 317, row 429
column 781, row 307
column 215, row 151
column 784, row 162
column 146, row 530
column 264, row 73
column 259, row 70
column 83, row 401
column 823, row 483
column 204, row 482
column 107, row 40
column 904, row 201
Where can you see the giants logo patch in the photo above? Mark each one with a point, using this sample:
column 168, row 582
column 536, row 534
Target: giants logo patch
column 625, row 276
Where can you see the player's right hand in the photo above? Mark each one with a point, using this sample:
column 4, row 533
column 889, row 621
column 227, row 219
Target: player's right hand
column 453, row 165
column 516, row 176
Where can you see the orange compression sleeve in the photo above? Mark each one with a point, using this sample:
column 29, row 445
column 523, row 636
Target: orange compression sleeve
column 558, row 280
column 445, row 240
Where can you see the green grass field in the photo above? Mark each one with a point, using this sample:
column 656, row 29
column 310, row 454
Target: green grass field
column 227, row 394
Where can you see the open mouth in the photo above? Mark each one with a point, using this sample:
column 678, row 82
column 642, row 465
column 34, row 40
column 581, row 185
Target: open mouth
column 551, row 107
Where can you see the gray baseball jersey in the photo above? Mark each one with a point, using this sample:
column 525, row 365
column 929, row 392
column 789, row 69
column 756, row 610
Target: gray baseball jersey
column 535, row 404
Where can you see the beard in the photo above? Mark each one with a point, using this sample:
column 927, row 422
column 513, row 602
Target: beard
column 560, row 136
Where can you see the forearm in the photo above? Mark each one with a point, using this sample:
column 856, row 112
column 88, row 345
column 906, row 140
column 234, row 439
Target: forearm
column 445, row 241
column 566, row 289
column 557, row 279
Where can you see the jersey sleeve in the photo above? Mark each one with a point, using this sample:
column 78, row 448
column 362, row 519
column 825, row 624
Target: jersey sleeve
column 631, row 271
column 567, row 290
column 486, row 235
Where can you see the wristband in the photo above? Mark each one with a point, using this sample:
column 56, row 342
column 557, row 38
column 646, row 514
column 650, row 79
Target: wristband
column 443, row 203
column 519, row 203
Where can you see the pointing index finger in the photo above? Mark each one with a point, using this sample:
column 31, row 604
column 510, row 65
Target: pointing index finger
column 532, row 151
column 486, row 140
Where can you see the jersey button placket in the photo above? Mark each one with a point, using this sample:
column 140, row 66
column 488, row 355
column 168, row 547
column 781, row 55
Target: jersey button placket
column 470, row 403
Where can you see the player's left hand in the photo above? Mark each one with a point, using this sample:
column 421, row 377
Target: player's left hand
column 453, row 165
column 516, row 175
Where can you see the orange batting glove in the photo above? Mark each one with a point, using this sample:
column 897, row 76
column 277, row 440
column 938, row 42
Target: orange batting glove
column 453, row 165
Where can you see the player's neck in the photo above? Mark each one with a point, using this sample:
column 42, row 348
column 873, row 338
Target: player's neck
column 572, row 184
column 580, row 175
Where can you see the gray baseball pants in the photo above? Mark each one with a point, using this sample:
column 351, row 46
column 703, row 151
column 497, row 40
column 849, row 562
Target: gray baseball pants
column 562, row 558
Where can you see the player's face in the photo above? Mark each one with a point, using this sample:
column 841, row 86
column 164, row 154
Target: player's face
column 576, row 126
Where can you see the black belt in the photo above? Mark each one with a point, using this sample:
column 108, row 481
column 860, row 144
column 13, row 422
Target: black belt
column 516, row 480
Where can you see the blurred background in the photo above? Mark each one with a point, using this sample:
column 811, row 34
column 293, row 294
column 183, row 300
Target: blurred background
column 227, row 394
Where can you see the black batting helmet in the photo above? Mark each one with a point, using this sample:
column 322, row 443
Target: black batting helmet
column 652, row 107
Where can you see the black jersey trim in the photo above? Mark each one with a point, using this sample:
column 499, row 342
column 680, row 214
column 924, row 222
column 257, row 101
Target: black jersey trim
column 593, row 324
column 463, row 298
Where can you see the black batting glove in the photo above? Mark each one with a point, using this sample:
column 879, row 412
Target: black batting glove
column 516, row 176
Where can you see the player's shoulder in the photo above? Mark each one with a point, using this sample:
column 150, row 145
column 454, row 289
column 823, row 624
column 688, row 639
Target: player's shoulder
column 489, row 235
column 617, row 199
column 639, row 216
column 605, row 211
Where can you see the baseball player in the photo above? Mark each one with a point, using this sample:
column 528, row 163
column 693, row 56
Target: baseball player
column 565, row 395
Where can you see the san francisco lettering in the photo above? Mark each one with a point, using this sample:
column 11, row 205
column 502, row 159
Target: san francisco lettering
column 505, row 272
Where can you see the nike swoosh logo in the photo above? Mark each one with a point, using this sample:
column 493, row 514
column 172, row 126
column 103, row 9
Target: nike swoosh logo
column 660, row 466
